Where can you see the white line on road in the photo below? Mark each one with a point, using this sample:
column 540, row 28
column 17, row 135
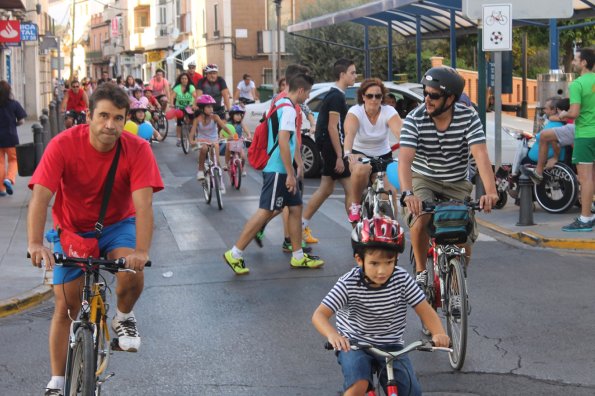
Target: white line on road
column 227, row 198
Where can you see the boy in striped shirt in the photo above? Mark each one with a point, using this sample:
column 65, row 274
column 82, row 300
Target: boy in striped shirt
column 370, row 304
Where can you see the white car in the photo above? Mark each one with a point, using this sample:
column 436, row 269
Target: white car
column 409, row 96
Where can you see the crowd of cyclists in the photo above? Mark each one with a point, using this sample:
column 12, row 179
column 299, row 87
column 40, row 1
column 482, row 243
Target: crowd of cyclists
column 437, row 140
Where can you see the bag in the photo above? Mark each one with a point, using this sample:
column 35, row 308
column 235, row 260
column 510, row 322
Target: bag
column 451, row 223
column 258, row 156
column 74, row 245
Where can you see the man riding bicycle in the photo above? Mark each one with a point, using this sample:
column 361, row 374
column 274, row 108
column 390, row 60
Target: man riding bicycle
column 160, row 88
column 215, row 86
column 79, row 194
column 436, row 140
column 74, row 104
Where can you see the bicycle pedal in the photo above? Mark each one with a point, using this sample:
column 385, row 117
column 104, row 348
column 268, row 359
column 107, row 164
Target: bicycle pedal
column 115, row 345
column 103, row 380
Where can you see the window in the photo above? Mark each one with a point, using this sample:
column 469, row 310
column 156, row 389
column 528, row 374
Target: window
column 162, row 15
column 142, row 18
column 216, row 16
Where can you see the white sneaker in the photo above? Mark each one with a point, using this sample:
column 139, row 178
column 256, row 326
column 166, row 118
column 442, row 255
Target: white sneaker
column 128, row 337
column 222, row 188
column 200, row 175
column 244, row 174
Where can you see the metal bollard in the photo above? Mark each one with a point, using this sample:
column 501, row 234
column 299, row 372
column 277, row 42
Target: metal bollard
column 526, row 201
column 45, row 124
column 59, row 118
column 53, row 119
column 38, row 142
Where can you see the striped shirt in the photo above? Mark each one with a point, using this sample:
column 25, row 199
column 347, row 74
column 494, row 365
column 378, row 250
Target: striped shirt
column 442, row 155
column 373, row 315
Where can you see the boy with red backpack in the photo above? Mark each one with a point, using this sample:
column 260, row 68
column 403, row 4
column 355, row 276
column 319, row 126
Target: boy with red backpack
column 280, row 186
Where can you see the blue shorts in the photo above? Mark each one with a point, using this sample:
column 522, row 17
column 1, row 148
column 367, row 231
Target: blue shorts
column 118, row 235
column 359, row 365
column 274, row 194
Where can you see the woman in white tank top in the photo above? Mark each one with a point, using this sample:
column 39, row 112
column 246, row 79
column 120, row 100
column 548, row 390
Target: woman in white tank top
column 367, row 128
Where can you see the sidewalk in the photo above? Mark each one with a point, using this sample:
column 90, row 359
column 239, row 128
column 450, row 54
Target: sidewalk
column 21, row 284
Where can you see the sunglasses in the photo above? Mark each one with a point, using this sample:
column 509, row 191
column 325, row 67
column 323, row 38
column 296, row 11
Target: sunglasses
column 374, row 96
column 75, row 86
column 433, row 95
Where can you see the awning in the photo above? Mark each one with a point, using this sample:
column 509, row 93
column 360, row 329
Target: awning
column 191, row 58
column 171, row 58
column 12, row 5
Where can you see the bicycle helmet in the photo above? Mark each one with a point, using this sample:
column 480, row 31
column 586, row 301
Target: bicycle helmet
column 236, row 109
column 191, row 64
column 211, row 67
column 205, row 100
column 445, row 79
column 378, row 232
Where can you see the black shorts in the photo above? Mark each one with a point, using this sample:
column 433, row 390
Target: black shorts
column 376, row 167
column 274, row 194
column 329, row 161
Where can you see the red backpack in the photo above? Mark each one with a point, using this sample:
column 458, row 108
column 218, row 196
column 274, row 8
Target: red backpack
column 258, row 156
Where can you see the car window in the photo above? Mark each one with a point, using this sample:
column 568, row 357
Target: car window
column 405, row 103
column 351, row 96
column 315, row 103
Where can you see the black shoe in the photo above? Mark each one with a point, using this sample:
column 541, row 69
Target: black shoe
column 53, row 392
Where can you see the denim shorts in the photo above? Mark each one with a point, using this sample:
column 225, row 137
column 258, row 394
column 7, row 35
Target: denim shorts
column 359, row 365
column 118, row 235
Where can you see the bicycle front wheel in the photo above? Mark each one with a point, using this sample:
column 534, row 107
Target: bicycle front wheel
column 237, row 176
column 162, row 126
column 185, row 138
column 217, row 180
column 80, row 372
column 456, row 312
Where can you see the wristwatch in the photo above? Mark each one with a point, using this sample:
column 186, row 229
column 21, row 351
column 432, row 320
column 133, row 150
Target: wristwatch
column 404, row 195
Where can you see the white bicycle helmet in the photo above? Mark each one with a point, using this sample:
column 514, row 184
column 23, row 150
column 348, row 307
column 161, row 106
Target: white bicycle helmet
column 211, row 67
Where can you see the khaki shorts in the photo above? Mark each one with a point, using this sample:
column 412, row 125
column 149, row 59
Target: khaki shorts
column 428, row 189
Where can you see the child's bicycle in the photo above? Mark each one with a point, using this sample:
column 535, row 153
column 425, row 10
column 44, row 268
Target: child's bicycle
column 376, row 200
column 446, row 286
column 89, row 346
column 213, row 180
column 161, row 123
column 236, row 162
column 186, row 128
column 389, row 357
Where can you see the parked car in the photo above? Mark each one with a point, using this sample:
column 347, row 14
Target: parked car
column 409, row 96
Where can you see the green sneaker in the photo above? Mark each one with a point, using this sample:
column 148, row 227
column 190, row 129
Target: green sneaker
column 237, row 265
column 307, row 262
column 259, row 237
column 287, row 248
column 578, row 225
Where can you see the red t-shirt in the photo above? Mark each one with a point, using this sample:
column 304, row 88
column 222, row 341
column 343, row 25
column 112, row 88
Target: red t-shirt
column 73, row 170
column 76, row 102
column 196, row 77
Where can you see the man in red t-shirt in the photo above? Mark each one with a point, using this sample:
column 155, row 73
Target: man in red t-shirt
column 194, row 76
column 75, row 102
column 74, row 167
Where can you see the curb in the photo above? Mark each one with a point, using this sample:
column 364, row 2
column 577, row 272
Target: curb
column 538, row 240
column 24, row 301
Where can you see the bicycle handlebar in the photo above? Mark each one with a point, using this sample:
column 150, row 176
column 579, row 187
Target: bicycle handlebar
column 424, row 346
column 429, row 207
column 77, row 262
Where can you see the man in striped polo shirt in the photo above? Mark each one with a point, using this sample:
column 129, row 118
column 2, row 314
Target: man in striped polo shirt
column 436, row 140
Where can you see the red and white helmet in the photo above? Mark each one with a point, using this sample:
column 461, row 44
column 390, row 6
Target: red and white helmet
column 378, row 232
column 205, row 100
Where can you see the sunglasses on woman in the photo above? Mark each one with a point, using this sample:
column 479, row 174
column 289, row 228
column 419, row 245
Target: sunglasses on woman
column 374, row 96
column 434, row 95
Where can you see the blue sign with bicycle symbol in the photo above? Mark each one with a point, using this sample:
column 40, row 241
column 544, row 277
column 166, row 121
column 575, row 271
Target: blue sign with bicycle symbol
column 29, row 32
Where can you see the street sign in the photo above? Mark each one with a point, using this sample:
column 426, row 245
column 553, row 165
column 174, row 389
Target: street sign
column 523, row 9
column 9, row 31
column 29, row 32
column 497, row 27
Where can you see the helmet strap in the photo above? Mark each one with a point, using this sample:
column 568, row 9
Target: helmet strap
column 443, row 108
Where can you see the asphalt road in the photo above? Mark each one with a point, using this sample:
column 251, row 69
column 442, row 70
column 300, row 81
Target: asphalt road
column 207, row 332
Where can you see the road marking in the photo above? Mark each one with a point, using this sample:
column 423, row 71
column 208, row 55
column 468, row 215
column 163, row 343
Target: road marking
column 225, row 199
column 191, row 229
column 169, row 180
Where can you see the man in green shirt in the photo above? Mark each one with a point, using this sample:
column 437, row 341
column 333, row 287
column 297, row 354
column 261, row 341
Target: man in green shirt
column 582, row 110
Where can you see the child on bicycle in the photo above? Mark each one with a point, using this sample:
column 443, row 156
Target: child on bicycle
column 236, row 119
column 138, row 115
column 205, row 128
column 370, row 303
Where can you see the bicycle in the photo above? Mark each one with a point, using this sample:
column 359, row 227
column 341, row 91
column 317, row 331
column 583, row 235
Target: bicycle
column 373, row 198
column 496, row 17
column 186, row 128
column 161, row 123
column 389, row 357
column 213, row 175
column 78, row 118
column 446, row 285
column 90, row 346
column 236, row 162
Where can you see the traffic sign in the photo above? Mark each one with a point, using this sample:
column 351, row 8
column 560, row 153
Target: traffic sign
column 523, row 9
column 497, row 27
column 29, row 32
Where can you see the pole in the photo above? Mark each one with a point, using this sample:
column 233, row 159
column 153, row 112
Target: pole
column 278, row 12
column 481, row 80
column 71, row 43
column 524, row 71
column 37, row 142
column 498, row 109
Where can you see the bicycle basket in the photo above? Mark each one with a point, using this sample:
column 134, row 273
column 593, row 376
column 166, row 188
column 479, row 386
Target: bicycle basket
column 236, row 145
column 451, row 223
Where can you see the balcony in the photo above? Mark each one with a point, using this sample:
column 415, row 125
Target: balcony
column 94, row 56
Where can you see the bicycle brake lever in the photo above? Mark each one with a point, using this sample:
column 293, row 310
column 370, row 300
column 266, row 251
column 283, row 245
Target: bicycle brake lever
column 127, row 270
